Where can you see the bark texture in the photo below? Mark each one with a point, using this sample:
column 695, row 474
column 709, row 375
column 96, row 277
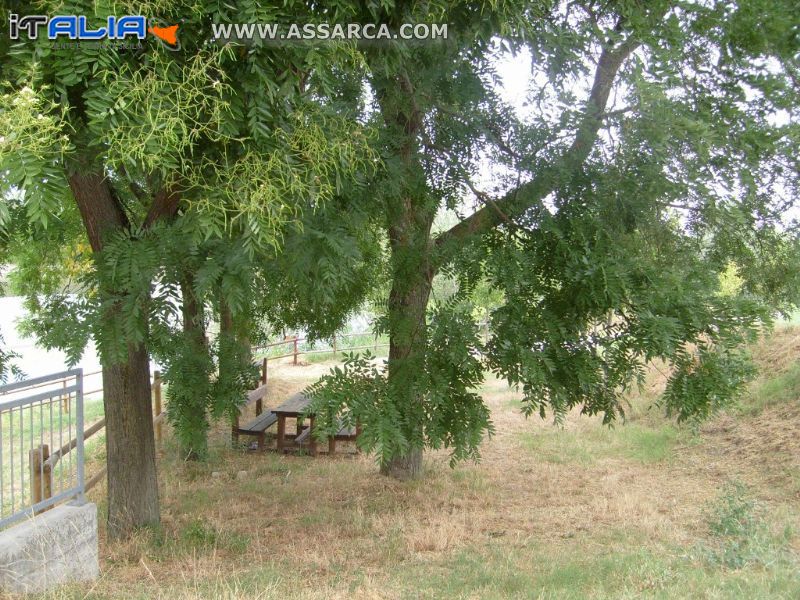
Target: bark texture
column 132, row 477
column 130, row 446
column 410, row 219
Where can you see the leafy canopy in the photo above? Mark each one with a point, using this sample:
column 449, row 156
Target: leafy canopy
column 657, row 152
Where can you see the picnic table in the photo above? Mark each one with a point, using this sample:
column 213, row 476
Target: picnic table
column 296, row 407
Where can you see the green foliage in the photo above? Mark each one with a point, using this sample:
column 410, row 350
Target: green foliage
column 242, row 136
column 740, row 534
column 589, row 304
column 457, row 417
column 598, row 247
column 330, row 262
column 705, row 381
column 188, row 373
column 451, row 414
column 730, row 283
column 352, row 394
column 235, row 377
column 610, row 222
column 7, row 366
column 33, row 140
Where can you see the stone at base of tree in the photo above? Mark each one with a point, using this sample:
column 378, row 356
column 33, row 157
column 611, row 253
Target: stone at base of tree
column 241, row 475
column 216, row 474
column 404, row 468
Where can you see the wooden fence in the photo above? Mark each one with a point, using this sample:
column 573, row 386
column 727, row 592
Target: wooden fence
column 42, row 463
column 296, row 352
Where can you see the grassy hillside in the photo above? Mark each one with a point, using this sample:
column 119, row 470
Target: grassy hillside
column 645, row 509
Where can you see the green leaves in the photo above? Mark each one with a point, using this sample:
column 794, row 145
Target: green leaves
column 154, row 114
column 705, row 380
column 447, row 413
column 33, row 141
column 589, row 305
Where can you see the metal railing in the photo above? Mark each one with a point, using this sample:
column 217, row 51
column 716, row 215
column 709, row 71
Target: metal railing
column 38, row 416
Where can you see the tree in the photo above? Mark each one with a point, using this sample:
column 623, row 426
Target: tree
column 661, row 149
column 141, row 140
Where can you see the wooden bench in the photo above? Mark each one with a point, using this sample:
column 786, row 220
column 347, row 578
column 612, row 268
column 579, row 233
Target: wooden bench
column 258, row 426
column 345, row 433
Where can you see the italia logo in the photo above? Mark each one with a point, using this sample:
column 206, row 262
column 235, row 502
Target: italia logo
column 76, row 27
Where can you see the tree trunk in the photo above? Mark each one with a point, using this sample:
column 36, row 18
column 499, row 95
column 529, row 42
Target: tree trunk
column 132, row 479
column 410, row 218
column 407, row 346
column 194, row 446
column 194, row 325
column 130, row 446
column 404, row 468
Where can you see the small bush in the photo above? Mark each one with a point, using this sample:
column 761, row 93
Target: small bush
column 199, row 535
column 740, row 535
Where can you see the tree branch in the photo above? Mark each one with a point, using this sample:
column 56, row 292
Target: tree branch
column 164, row 206
column 99, row 208
column 527, row 195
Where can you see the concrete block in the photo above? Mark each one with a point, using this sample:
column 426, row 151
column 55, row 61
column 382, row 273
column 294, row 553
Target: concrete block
column 55, row 547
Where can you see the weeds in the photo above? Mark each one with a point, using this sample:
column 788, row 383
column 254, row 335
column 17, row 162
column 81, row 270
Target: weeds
column 740, row 534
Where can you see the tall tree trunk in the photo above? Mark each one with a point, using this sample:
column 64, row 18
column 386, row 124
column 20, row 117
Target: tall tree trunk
column 194, row 326
column 407, row 347
column 130, row 450
column 410, row 218
column 130, row 446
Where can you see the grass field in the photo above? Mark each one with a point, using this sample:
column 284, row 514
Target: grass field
column 645, row 509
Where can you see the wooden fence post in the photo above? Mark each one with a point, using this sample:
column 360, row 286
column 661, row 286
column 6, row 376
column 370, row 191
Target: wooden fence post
column 259, row 402
column 295, row 349
column 47, row 473
column 40, row 474
column 157, row 404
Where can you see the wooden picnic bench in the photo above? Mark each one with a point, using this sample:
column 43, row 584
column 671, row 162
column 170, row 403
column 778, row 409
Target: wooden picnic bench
column 345, row 433
column 258, row 426
column 296, row 407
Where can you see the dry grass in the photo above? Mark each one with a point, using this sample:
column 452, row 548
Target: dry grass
column 541, row 502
